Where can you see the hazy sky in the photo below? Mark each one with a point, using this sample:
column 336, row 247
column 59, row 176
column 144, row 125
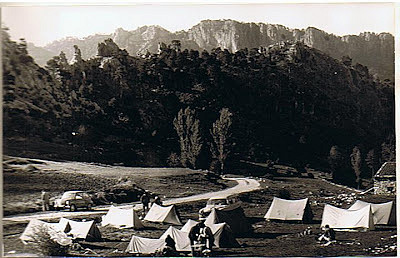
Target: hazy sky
column 43, row 24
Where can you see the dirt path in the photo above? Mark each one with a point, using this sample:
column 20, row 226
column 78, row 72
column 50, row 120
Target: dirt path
column 244, row 185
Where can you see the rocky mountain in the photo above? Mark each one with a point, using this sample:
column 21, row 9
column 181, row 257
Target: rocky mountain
column 373, row 50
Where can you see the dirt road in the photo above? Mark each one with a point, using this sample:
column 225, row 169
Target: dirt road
column 244, row 185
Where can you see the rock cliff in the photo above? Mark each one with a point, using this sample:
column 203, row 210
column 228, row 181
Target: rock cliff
column 373, row 50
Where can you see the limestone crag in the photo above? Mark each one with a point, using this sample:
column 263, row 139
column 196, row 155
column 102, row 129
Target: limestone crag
column 373, row 50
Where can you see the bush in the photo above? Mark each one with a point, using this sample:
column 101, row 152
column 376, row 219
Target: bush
column 215, row 166
column 174, row 160
column 42, row 242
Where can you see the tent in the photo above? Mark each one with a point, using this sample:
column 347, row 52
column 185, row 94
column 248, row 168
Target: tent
column 188, row 225
column 235, row 218
column 343, row 219
column 142, row 245
column 86, row 230
column 122, row 218
column 383, row 213
column 223, row 235
column 289, row 210
column 163, row 214
column 182, row 241
column 35, row 226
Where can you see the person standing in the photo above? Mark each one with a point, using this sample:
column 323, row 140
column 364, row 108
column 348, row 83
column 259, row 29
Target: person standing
column 201, row 238
column 145, row 200
column 45, row 201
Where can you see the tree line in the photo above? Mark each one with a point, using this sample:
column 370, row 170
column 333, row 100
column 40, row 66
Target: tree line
column 289, row 102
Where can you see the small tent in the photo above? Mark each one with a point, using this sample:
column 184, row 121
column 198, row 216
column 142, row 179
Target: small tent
column 235, row 218
column 142, row 245
column 181, row 238
column 35, row 226
column 223, row 235
column 383, row 213
column 289, row 210
column 163, row 214
column 86, row 230
column 342, row 219
column 188, row 225
column 122, row 218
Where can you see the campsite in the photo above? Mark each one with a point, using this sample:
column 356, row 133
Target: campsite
column 265, row 238
column 133, row 130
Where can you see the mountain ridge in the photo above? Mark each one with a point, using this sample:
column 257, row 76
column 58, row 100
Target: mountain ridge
column 368, row 48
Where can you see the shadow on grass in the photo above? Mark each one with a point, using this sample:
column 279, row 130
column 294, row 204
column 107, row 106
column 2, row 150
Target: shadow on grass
column 253, row 220
column 265, row 235
column 113, row 240
column 95, row 246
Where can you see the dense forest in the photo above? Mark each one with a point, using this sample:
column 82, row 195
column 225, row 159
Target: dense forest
column 285, row 102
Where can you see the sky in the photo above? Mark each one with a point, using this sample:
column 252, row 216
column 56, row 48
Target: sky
column 42, row 24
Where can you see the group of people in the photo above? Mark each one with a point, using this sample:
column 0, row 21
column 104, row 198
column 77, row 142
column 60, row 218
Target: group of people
column 201, row 241
column 145, row 199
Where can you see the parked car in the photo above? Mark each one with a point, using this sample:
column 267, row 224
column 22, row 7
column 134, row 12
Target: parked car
column 74, row 200
column 220, row 203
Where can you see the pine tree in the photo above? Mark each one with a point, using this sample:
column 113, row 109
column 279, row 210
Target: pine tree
column 371, row 161
column 355, row 159
column 188, row 129
column 335, row 160
column 220, row 134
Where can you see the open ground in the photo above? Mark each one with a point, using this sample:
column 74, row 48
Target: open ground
column 267, row 238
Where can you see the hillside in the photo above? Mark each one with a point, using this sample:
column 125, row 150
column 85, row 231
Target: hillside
column 289, row 102
column 373, row 50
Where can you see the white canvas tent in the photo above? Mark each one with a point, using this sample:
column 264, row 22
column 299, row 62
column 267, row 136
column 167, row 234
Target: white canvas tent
column 35, row 226
column 142, row 245
column 342, row 219
column 223, row 235
column 86, row 230
column 383, row 213
column 163, row 214
column 181, row 238
column 289, row 210
column 188, row 225
column 122, row 218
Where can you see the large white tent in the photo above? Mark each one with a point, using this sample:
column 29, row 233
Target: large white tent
column 181, row 238
column 223, row 235
column 383, row 213
column 342, row 219
column 163, row 214
column 86, row 230
column 289, row 210
column 142, row 245
column 122, row 218
column 36, row 226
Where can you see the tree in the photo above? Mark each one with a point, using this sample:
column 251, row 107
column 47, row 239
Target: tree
column 188, row 129
column 335, row 160
column 388, row 149
column 371, row 161
column 355, row 159
column 220, row 134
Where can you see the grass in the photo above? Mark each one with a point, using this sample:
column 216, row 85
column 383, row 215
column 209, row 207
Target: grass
column 268, row 238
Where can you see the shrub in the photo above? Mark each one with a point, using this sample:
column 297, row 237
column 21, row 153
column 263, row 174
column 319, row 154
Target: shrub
column 42, row 241
column 173, row 160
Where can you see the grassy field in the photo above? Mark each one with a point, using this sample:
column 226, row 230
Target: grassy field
column 24, row 180
column 268, row 238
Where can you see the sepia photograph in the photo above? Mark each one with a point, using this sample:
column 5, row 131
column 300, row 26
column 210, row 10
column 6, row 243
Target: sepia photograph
column 198, row 129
